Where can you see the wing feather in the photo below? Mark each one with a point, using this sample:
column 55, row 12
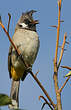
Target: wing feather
column 9, row 61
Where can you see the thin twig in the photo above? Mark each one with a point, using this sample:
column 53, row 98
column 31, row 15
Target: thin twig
column 36, row 73
column 67, row 42
column 60, row 90
column 58, row 30
column 67, row 67
column 62, row 21
column 43, row 105
column 54, row 26
column 9, row 22
column 62, row 50
column 35, row 78
column 0, row 19
column 46, row 102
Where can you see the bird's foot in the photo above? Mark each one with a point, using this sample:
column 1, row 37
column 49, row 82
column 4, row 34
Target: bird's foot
column 29, row 69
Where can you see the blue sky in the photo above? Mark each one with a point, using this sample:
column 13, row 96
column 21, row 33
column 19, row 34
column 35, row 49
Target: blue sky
column 47, row 15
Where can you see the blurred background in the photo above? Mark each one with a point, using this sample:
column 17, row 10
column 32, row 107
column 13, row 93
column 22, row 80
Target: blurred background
column 47, row 14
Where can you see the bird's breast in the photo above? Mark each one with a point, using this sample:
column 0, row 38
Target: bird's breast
column 28, row 43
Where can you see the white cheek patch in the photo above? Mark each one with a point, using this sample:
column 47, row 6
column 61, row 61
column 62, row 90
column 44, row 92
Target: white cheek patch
column 23, row 25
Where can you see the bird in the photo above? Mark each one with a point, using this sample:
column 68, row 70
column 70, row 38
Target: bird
column 27, row 41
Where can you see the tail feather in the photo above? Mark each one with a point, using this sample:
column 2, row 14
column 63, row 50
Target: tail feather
column 14, row 94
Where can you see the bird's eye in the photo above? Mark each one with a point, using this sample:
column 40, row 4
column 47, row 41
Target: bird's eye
column 20, row 25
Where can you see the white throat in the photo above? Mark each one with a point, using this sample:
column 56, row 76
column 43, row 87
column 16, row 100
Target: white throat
column 23, row 25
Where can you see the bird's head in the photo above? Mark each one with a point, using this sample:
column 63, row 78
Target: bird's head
column 26, row 21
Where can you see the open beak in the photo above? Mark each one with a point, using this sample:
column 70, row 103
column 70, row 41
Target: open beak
column 35, row 22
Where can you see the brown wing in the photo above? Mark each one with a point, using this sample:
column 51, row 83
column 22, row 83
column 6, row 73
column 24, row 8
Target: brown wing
column 9, row 61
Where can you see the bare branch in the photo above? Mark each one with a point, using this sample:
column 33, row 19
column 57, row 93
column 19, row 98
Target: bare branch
column 60, row 90
column 67, row 67
column 46, row 102
column 62, row 50
column 55, row 76
column 58, row 30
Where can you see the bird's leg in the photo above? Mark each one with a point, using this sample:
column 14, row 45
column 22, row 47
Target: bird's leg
column 29, row 69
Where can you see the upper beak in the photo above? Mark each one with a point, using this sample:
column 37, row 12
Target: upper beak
column 35, row 22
